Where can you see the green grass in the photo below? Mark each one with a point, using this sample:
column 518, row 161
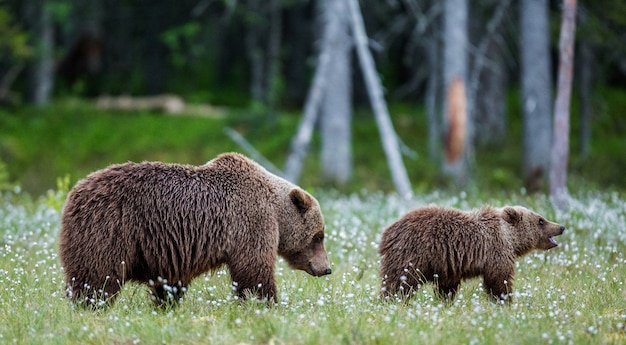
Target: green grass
column 573, row 294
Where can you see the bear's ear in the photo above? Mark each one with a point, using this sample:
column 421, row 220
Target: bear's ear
column 511, row 215
column 300, row 199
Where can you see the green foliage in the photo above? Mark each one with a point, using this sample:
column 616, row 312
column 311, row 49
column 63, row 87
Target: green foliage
column 56, row 198
column 13, row 40
column 4, row 177
column 180, row 40
column 60, row 10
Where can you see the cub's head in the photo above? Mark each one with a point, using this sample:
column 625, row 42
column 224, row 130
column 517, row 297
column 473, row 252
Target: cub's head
column 532, row 230
column 302, row 234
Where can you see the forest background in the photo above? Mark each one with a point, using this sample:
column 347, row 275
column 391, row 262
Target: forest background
column 340, row 94
column 89, row 83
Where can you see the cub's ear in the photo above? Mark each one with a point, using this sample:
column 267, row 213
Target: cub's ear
column 511, row 215
column 300, row 199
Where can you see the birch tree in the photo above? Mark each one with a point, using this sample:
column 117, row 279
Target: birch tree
column 336, row 107
column 374, row 89
column 388, row 136
column 264, row 21
column 487, row 82
column 560, row 146
column 300, row 142
column 455, row 60
column 536, row 91
column 41, row 72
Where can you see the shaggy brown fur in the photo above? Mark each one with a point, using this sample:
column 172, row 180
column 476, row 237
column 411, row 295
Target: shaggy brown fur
column 445, row 246
column 164, row 224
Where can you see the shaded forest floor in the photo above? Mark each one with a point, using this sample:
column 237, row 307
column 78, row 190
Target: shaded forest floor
column 73, row 137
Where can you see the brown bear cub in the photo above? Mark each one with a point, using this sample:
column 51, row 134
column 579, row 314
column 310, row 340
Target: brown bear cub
column 445, row 246
column 165, row 224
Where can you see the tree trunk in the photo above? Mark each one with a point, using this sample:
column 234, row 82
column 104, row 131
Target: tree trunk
column 490, row 107
column 586, row 64
column 300, row 142
column 459, row 126
column 253, row 47
column 336, row 111
column 487, row 78
column 263, row 42
column 298, row 34
column 433, row 91
column 42, row 70
column 375, row 92
column 536, row 91
column 274, row 42
column 83, row 48
column 560, row 146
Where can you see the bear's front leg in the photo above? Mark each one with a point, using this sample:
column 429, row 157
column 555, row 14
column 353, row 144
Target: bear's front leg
column 499, row 286
column 254, row 277
column 168, row 295
column 447, row 291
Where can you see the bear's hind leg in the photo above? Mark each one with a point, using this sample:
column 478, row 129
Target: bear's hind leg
column 100, row 294
column 403, row 286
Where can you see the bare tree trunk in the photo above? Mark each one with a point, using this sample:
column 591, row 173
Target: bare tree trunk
column 273, row 54
column 586, row 64
column 42, row 71
column 426, row 36
column 374, row 89
column 300, row 142
column 455, row 76
column 265, row 26
column 490, row 107
column 536, row 91
column 488, row 110
column 254, row 33
column 7, row 81
column 560, row 146
column 433, row 98
column 298, row 22
column 83, row 47
column 336, row 112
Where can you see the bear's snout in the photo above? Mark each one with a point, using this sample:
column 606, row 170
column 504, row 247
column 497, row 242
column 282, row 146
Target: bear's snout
column 551, row 243
column 317, row 271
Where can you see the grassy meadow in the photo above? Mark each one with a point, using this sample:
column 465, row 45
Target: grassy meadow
column 573, row 294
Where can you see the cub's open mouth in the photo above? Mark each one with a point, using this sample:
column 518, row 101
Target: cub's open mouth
column 552, row 241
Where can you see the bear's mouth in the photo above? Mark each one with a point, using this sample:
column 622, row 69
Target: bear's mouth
column 552, row 241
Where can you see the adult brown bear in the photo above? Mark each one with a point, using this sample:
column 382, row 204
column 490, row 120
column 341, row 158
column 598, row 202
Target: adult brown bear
column 165, row 224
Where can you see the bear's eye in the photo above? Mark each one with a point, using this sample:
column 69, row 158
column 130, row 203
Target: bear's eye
column 318, row 238
column 541, row 221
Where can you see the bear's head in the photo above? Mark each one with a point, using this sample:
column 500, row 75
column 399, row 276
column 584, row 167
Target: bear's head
column 301, row 241
column 532, row 231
